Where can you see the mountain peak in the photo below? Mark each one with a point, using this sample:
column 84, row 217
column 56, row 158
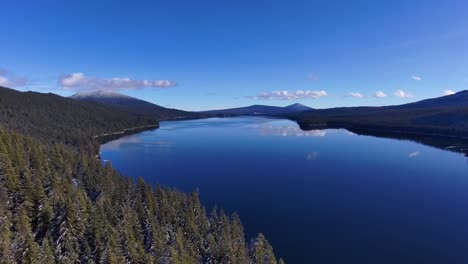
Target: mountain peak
column 295, row 105
column 298, row 107
column 99, row 94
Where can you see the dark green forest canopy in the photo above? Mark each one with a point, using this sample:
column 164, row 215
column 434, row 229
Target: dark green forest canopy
column 55, row 119
column 59, row 204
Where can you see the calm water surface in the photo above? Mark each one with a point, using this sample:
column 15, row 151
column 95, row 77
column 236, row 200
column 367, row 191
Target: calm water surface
column 326, row 196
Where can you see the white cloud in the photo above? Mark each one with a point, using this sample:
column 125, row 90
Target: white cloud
column 72, row 80
column 3, row 81
column 414, row 154
column 448, row 92
column 416, row 78
column 79, row 82
column 380, row 94
column 9, row 79
column 286, row 95
column 402, row 94
column 163, row 84
column 356, row 95
column 12, row 81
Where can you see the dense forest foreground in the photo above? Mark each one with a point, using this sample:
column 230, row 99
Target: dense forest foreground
column 59, row 204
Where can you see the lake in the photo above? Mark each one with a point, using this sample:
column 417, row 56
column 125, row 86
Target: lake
column 321, row 196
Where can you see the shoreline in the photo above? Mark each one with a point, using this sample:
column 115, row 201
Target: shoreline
column 414, row 134
column 390, row 130
column 449, row 142
column 110, row 136
column 126, row 130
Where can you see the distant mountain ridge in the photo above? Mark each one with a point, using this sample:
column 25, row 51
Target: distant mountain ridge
column 138, row 106
column 446, row 115
column 133, row 105
column 259, row 110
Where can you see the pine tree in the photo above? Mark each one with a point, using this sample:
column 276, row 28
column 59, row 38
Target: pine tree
column 26, row 250
column 182, row 252
column 239, row 247
column 46, row 254
column 5, row 229
column 261, row 251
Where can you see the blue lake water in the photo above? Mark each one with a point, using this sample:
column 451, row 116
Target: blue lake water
column 324, row 196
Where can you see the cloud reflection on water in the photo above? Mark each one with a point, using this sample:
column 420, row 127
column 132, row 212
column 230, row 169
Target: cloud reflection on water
column 312, row 156
column 288, row 131
column 414, row 154
column 119, row 143
column 116, row 144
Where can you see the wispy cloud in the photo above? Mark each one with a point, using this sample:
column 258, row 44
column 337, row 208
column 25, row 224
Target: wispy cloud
column 414, row 154
column 448, row 92
column 79, row 82
column 380, row 94
column 313, row 77
column 416, row 78
column 403, row 94
column 356, row 95
column 286, row 95
column 11, row 80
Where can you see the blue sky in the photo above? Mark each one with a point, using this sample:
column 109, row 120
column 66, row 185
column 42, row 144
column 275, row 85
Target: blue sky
column 198, row 55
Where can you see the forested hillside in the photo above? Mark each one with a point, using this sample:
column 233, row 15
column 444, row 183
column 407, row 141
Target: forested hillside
column 133, row 105
column 59, row 204
column 446, row 115
column 55, row 119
